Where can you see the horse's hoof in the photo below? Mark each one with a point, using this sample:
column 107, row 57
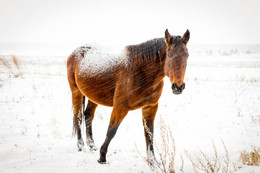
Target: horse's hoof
column 153, row 162
column 80, row 145
column 93, row 148
column 101, row 161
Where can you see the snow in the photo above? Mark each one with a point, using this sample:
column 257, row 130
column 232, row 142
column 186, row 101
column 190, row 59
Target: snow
column 220, row 102
column 97, row 59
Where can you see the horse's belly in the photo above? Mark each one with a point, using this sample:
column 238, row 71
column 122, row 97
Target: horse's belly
column 98, row 89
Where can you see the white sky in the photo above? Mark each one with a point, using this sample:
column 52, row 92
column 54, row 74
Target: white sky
column 117, row 22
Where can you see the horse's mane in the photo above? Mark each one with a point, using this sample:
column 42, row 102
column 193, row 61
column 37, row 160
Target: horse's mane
column 148, row 51
column 145, row 52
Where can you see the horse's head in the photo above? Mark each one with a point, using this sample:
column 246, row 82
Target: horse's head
column 176, row 60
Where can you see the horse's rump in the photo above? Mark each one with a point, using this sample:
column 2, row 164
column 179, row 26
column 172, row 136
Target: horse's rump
column 96, row 72
column 94, row 60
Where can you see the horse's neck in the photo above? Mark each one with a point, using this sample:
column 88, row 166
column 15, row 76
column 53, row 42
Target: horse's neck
column 140, row 63
column 153, row 70
column 159, row 65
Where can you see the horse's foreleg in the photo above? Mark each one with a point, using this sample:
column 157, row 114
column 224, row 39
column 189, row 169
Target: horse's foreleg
column 149, row 113
column 89, row 115
column 118, row 114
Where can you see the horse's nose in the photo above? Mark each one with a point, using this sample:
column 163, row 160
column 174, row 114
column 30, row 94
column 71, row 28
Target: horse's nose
column 178, row 89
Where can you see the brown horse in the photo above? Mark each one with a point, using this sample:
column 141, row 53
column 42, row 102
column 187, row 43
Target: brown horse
column 130, row 81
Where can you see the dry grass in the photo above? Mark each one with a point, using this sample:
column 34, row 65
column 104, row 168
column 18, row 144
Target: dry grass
column 249, row 80
column 1, row 83
column 15, row 61
column 17, row 65
column 203, row 163
column 12, row 65
column 251, row 158
column 166, row 150
column 5, row 63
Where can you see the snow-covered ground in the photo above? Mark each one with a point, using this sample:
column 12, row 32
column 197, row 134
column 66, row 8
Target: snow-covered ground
column 221, row 102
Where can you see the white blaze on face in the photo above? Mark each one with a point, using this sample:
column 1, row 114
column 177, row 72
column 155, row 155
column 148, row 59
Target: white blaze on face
column 97, row 59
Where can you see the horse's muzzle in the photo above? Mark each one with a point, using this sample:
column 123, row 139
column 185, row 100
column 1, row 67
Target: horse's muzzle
column 176, row 89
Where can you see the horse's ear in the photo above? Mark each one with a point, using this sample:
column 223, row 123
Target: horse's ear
column 168, row 37
column 186, row 37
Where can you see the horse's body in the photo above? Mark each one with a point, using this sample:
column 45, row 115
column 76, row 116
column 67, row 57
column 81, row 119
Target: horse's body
column 131, row 80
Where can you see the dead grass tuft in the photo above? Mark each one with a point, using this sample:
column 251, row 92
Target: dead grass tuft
column 12, row 65
column 1, row 83
column 251, row 158
column 5, row 63
column 15, row 61
column 166, row 150
column 17, row 65
column 204, row 163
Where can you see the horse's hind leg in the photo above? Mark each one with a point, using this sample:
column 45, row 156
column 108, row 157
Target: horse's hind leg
column 89, row 115
column 77, row 119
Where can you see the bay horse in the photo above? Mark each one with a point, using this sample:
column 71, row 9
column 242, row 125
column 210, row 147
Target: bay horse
column 130, row 81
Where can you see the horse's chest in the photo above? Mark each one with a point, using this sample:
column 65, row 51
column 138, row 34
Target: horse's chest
column 141, row 97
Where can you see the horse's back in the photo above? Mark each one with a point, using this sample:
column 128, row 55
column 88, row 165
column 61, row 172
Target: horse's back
column 94, row 72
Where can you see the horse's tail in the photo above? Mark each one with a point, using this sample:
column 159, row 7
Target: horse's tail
column 81, row 118
column 83, row 106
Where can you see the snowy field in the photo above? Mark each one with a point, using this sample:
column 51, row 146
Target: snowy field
column 221, row 102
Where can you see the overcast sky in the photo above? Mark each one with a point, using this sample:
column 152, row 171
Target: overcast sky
column 117, row 22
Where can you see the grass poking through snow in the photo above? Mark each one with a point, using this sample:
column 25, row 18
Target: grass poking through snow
column 251, row 158
column 12, row 65
column 205, row 163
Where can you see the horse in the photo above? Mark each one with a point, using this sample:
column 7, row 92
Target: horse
column 128, row 81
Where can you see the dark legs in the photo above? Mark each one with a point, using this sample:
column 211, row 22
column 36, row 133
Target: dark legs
column 148, row 122
column 118, row 114
column 89, row 115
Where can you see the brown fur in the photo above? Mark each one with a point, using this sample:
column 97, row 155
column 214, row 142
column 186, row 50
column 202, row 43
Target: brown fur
column 128, row 87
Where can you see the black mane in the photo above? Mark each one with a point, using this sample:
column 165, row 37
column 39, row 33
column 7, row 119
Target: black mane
column 148, row 51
